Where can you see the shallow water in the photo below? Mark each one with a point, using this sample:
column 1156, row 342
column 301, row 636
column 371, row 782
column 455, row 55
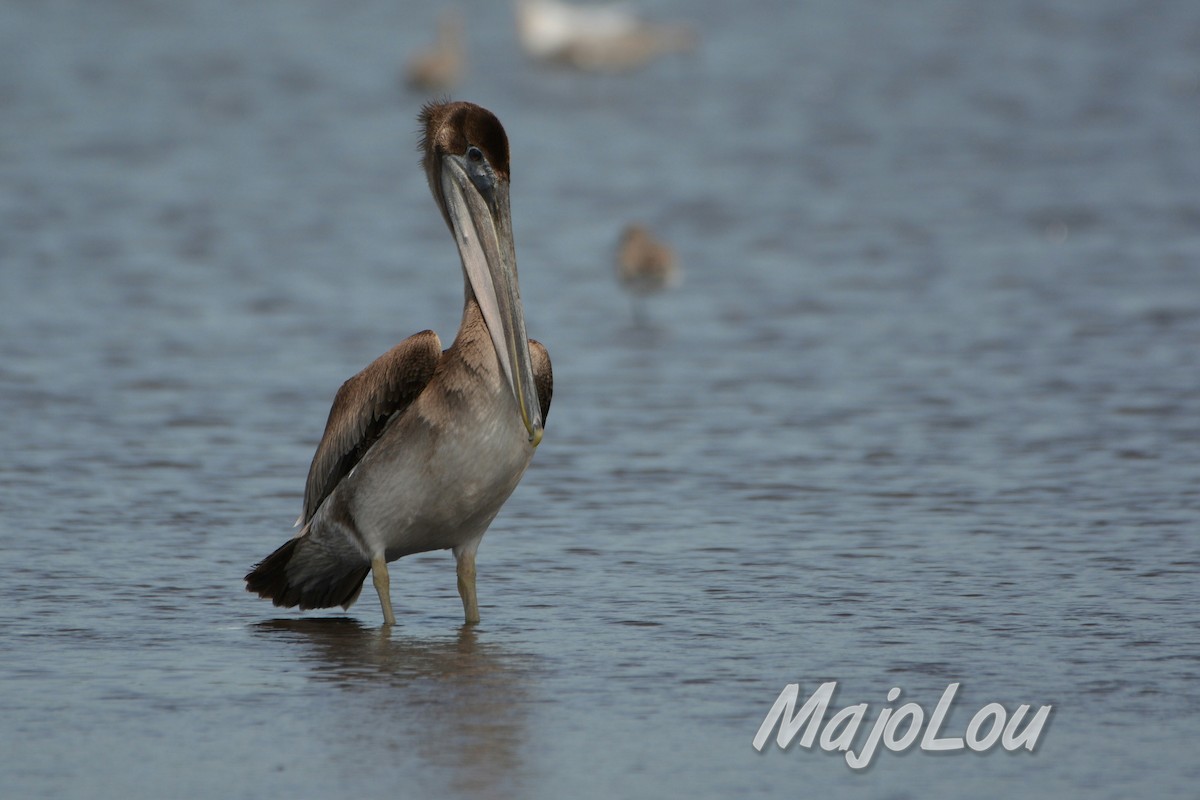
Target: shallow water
column 925, row 410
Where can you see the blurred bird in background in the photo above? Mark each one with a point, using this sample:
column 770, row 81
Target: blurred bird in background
column 441, row 67
column 605, row 37
column 644, row 266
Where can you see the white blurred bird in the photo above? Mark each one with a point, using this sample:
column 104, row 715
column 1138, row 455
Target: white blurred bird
column 606, row 37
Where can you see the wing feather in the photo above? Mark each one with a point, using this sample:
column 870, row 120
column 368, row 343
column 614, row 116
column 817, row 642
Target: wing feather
column 361, row 411
column 543, row 376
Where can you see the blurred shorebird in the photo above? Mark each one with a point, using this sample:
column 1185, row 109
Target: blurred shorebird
column 644, row 265
column 423, row 447
column 441, row 67
column 595, row 37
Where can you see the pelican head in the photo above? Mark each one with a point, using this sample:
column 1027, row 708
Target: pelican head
column 466, row 162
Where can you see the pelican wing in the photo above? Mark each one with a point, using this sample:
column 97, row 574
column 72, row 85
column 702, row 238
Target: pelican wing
column 361, row 411
column 543, row 376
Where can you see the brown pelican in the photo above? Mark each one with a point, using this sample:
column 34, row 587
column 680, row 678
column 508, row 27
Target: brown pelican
column 442, row 66
column 423, row 446
column 595, row 37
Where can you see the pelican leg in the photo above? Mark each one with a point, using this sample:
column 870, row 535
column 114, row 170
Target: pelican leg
column 466, row 583
column 379, row 576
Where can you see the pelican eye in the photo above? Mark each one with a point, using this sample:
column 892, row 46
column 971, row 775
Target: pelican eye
column 474, row 154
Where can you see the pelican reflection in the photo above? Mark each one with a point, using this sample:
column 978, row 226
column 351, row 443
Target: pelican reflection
column 451, row 704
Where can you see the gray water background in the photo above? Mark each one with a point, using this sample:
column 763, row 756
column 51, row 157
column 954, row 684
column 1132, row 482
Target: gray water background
column 925, row 410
